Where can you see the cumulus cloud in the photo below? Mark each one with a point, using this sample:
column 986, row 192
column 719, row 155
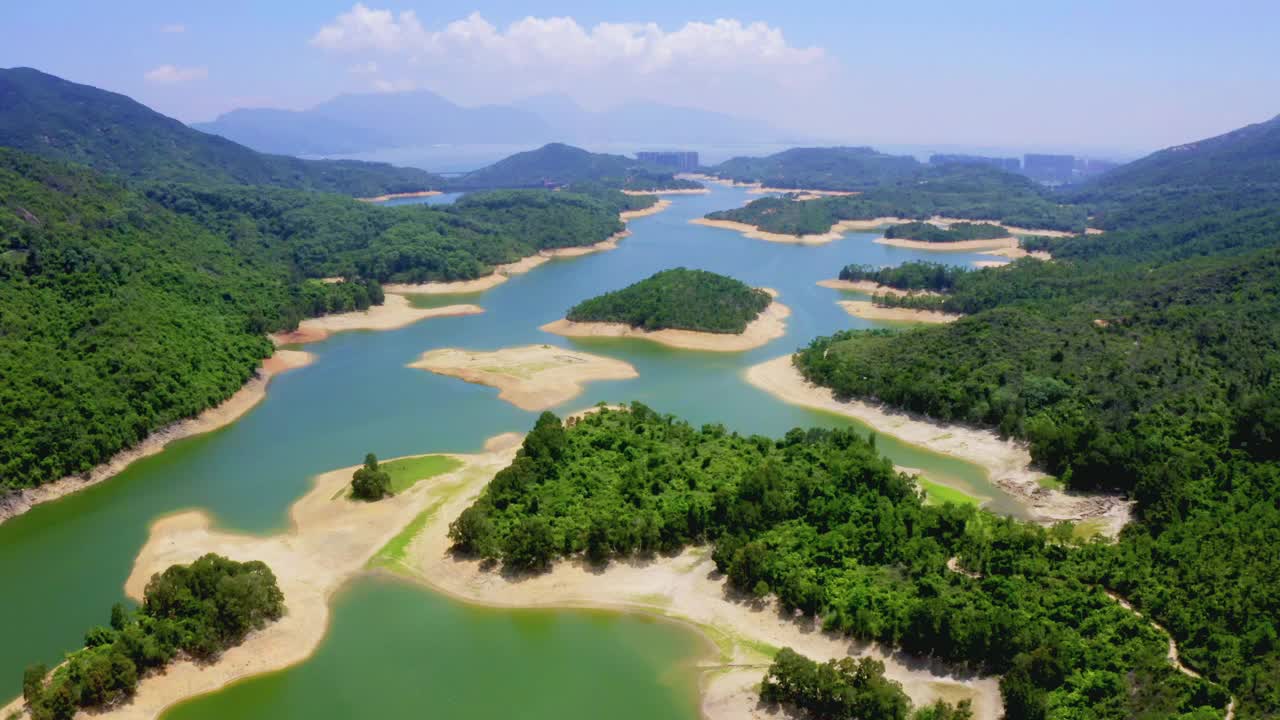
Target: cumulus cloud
column 174, row 75
column 474, row 60
column 173, row 28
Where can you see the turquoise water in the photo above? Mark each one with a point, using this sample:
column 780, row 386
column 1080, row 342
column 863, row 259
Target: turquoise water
column 65, row 563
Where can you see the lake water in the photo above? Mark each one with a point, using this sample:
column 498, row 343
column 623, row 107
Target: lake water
column 65, row 563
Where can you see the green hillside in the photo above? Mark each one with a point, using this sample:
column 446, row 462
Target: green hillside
column 53, row 118
column 833, row 168
column 557, row 164
column 678, row 299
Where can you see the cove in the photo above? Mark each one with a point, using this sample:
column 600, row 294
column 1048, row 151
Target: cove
column 442, row 658
column 64, row 563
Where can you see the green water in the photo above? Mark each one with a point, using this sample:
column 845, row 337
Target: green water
column 447, row 660
column 63, row 564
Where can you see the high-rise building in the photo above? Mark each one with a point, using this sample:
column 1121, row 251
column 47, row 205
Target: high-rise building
column 1009, row 164
column 1049, row 169
column 681, row 161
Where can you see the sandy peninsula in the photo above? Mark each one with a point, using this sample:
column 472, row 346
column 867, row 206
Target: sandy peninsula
column 870, row 287
column 1006, row 462
column 249, row 395
column 673, row 191
column 768, row 326
column 1013, row 253
column 836, row 232
column 1004, row 243
column 868, row 310
column 395, row 312
column 532, row 377
column 331, row 540
column 653, row 209
column 397, row 196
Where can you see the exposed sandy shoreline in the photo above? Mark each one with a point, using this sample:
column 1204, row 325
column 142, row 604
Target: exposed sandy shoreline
column 1007, row 462
column 954, row 246
column 868, row 310
column 871, row 287
column 653, row 209
column 674, row 191
column 532, row 377
column 395, row 312
column 990, row 263
column 499, row 275
column 250, row 394
column 331, row 540
column 1013, row 253
column 396, row 196
column 836, row 232
column 768, row 326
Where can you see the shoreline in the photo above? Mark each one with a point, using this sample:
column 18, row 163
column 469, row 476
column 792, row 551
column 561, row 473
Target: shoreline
column 1004, row 243
column 208, row 420
column 531, row 377
column 836, row 232
column 397, row 196
column 768, row 326
column 394, row 313
column 1007, row 462
column 870, row 287
column 841, row 227
column 653, row 209
column 868, row 310
column 673, row 191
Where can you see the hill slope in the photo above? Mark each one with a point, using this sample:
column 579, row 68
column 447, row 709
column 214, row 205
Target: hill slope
column 833, row 168
column 678, row 299
column 51, row 117
column 558, row 164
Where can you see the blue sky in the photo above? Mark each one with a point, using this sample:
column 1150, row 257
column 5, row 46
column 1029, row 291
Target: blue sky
column 1128, row 75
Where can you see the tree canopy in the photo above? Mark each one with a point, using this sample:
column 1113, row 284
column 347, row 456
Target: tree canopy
column 679, row 299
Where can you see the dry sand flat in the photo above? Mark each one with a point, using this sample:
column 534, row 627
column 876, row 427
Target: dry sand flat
column 675, row 191
column 868, row 310
column 396, row 196
column 686, row 588
column 1006, row 462
column 956, row 246
column 768, row 326
column 653, row 209
column 870, row 287
column 836, row 232
column 532, row 377
column 395, row 312
column 249, row 395
column 331, row 541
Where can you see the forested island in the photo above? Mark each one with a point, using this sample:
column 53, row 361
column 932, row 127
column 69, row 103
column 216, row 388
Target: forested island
column 830, row 168
column 678, row 299
column 197, row 610
column 827, row 525
column 957, row 191
column 557, row 164
column 955, row 232
column 909, row 276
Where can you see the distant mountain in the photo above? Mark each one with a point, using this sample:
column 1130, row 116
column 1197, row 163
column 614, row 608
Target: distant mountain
column 646, row 122
column 1236, row 171
column 830, row 168
column 558, row 164
column 51, row 117
column 292, row 132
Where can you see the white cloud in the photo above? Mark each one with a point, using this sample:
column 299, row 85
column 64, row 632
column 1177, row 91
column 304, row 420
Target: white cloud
column 174, row 75
column 364, row 68
column 726, row 63
column 173, row 28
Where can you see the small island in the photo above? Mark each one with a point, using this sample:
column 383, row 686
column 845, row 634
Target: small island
column 938, row 233
column 681, row 308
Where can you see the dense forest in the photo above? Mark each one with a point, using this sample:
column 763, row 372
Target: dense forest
column 199, row 610
column 558, row 164
column 823, row 522
column 123, row 310
column 915, row 275
column 48, row 116
column 970, row 192
column 956, row 232
column 1142, row 361
column 829, row 168
column 678, row 299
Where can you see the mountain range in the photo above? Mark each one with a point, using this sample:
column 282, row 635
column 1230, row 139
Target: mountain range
column 362, row 122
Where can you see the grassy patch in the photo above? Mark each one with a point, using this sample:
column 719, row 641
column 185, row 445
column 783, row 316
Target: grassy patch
column 436, row 300
column 407, row 472
column 1051, row 483
column 392, row 555
column 1087, row 529
column 939, row 493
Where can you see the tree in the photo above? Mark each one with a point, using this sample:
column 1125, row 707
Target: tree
column 369, row 483
column 33, row 682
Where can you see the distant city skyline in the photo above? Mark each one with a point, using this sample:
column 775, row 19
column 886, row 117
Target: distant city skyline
column 1088, row 77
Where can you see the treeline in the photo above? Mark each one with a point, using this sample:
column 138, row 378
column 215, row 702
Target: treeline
column 821, row 520
column 956, row 232
column 123, row 311
column 557, row 164
column 830, row 168
column 960, row 191
column 915, row 275
column 678, row 299
column 198, row 610
column 846, row 689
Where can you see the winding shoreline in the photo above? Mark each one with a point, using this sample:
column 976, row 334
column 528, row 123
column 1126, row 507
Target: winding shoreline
column 394, row 313
column 768, row 326
column 868, row 310
column 870, row 287
column 397, row 196
column 1007, row 462
column 219, row 416
column 836, row 232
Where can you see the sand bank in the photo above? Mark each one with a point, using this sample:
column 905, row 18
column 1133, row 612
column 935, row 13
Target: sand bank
column 499, row 275
column 1006, row 462
column 396, row 196
column 532, row 377
column 768, row 326
column 250, row 394
column 871, row 288
column 800, row 193
column 609, row 243
column 836, row 232
column 653, row 209
column 331, row 540
column 675, row 191
column 395, row 312
column 686, row 588
column 990, row 263
column 1013, row 253
column 868, row 310
column 956, row 246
